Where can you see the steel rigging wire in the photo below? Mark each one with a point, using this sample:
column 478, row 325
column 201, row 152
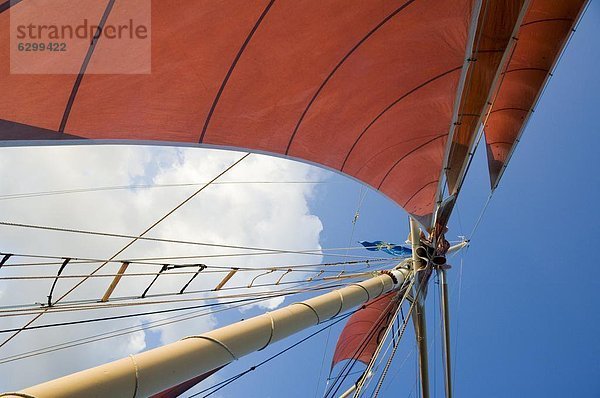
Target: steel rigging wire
column 216, row 387
column 389, row 327
column 550, row 74
column 125, row 331
column 230, row 380
column 219, row 269
column 401, row 365
column 165, row 321
column 318, row 268
column 411, row 351
column 460, row 274
column 264, row 251
column 16, row 333
column 361, row 197
column 395, row 347
column 90, row 320
column 149, row 325
column 79, row 304
column 23, row 195
column 137, row 274
column 148, row 261
column 347, row 368
column 66, row 307
column 143, row 301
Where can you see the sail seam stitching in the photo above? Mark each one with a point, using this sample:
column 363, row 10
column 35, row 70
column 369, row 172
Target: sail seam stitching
column 338, row 66
column 392, row 105
column 231, row 68
column 407, row 155
column 84, row 65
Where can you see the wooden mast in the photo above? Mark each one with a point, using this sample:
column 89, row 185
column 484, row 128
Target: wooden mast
column 156, row 370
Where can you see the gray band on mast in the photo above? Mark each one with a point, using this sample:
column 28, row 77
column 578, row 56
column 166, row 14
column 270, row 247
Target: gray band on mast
column 312, row 309
column 383, row 284
column 137, row 376
column 366, row 291
column 272, row 332
column 341, row 303
column 214, row 341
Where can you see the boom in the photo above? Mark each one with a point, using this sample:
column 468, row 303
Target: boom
column 156, row 370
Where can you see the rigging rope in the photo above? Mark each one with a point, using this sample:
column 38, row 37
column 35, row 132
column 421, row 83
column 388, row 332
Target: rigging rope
column 460, row 274
column 347, row 368
column 16, row 333
column 124, row 331
column 435, row 329
column 361, row 197
column 387, row 331
column 139, row 301
column 136, row 274
column 81, row 321
column 230, row 380
column 475, row 48
column 149, row 325
column 401, row 365
column 395, row 348
column 23, row 195
column 146, row 261
column 483, row 210
column 85, row 306
column 24, row 307
column 315, row 252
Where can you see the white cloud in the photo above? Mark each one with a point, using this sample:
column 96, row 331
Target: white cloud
column 260, row 215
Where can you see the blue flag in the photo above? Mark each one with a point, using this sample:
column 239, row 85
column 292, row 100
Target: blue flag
column 389, row 248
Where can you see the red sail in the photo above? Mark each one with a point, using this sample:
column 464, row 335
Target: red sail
column 545, row 29
column 367, row 88
column 498, row 21
column 364, row 330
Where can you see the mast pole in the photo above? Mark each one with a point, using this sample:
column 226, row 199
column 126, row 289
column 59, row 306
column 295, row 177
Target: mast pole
column 445, row 331
column 419, row 293
column 156, row 370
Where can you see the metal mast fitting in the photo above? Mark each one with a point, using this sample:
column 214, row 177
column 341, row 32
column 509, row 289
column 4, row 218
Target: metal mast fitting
column 156, row 370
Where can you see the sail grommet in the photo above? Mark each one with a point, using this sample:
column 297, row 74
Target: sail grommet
column 312, row 309
column 272, row 331
column 214, row 341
